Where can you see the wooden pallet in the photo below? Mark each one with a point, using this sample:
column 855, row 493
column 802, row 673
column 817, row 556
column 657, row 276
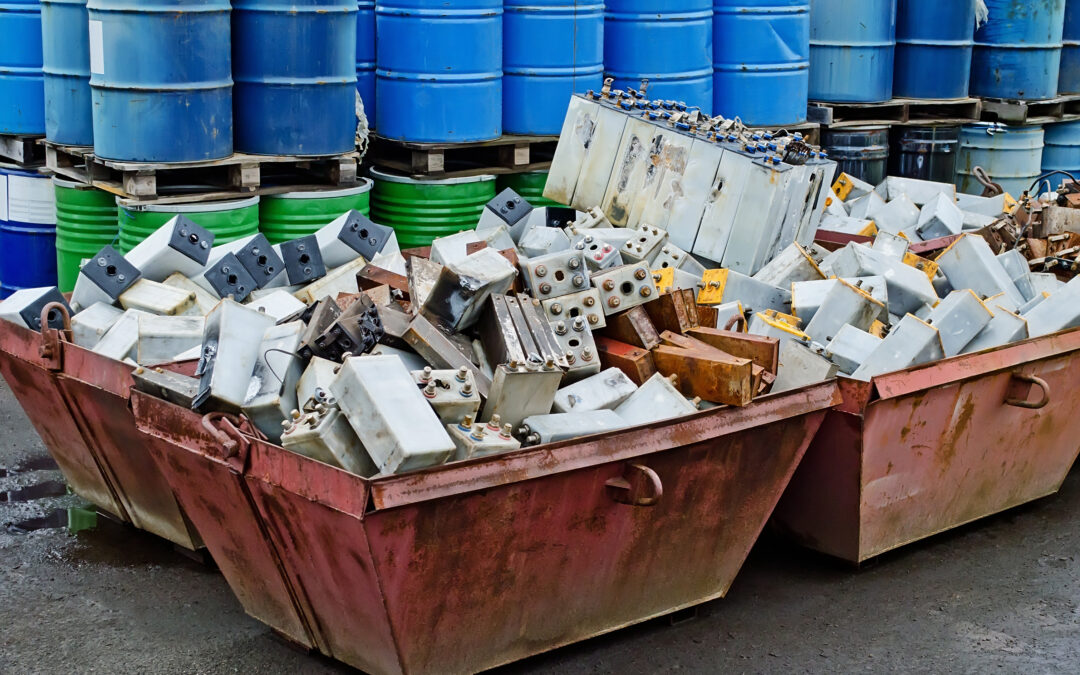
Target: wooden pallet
column 22, row 150
column 507, row 154
column 235, row 176
column 1057, row 109
column 897, row 111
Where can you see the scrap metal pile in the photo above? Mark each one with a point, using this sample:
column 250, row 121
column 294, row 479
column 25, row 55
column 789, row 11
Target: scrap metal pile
column 687, row 279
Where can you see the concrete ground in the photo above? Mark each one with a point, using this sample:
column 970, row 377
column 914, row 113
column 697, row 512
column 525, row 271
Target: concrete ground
column 1002, row 595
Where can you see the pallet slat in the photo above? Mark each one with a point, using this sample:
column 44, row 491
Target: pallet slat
column 22, row 150
column 508, row 154
column 1057, row 109
column 896, row 111
column 234, row 176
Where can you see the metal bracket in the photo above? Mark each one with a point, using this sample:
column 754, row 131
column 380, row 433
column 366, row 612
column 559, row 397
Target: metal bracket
column 638, row 486
column 1016, row 394
column 231, row 431
column 49, row 349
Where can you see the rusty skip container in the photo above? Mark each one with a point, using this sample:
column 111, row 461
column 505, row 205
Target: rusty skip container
column 470, row 565
column 79, row 405
column 923, row 450
column 29, row 362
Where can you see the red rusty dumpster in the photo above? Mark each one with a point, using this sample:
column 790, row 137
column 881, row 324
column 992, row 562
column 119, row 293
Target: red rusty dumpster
column 919, row 451
column 29, row 362
column 473, row 564
column 99, row 391
column 206, row 474
column 79, row 403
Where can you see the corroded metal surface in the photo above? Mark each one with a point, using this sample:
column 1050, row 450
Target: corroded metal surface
column 97, row 389
column 32, row 379
column 926, row 449
column 470, row 565
column 209, row 485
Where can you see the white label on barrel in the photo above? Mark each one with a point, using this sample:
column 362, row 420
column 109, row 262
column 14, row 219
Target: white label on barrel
column 31, row 200
column 3, row 198
column 97, row 50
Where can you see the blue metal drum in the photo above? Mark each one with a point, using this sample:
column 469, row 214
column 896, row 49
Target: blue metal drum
column 161, row 79
column 66, row 57
column 27, row 230
column 761, row 60
column 851, row 50
column 1018, row 50
column 1011, row 155
column 22, row 98
column 294, row 76
column 1061, row 150
column 667, row 42
column 365, row 58
column 551, row 49
column 1069, row 78
column 933, row 48
column 438, row 70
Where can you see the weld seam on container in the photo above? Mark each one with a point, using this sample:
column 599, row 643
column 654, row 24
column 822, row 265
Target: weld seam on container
column 86, row 221
column 934, row 41
column 438, row 70
column 296, row 214
column 22, row 83
column 228, row 220
column 761, row 60
column 420, row 210
column 668, row 43
column 65, row 43
column 852, row 47
column 1018, row 57
column 1011, row 155
column 152, row 103
column 294, row 76
column 552, row 49
column 27, row 230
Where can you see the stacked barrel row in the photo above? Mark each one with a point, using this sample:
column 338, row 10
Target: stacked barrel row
column 875, row 50
column 257, row 76
column 526, row 57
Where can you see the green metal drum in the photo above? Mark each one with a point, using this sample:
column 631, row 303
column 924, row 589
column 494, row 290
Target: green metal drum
column 529, row 185
column 420, row 210
column 229, row 220
column 298, row 214
column 85, row 222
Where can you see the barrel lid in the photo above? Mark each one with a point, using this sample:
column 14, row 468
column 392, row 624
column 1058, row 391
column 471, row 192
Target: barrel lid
column 200, row 207
column 16, row 170
column 364, row 186
column 73, row 184
column 398, row 178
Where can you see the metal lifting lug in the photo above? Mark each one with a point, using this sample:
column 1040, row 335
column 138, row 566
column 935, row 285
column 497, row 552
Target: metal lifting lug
column 638, row 486
column 51, row 337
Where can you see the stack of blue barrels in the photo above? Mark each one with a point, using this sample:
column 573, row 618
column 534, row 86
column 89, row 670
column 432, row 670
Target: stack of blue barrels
column 669, row 43
column 761, row 60
column 22, row 101
column 1017, row 56
column 27, row 230
column 438, row 70
column 551, row 50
